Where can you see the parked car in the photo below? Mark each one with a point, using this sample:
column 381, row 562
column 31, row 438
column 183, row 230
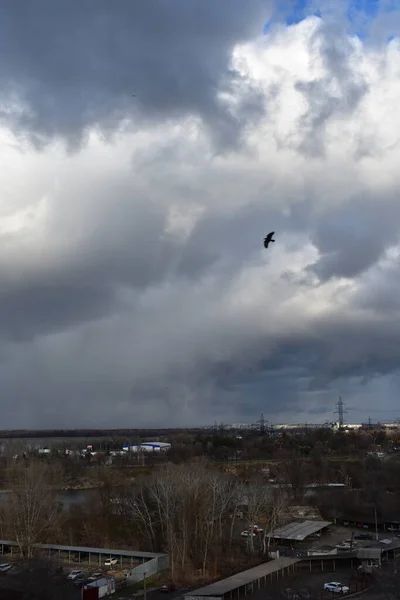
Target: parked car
column 345, row 546
column 80, row 581
column 364, row 536
column 4, row 567
column 248, row 534
column 94, row 577
column 110, row 562
column 336, row 588
column 75, row 574
column 167, row 587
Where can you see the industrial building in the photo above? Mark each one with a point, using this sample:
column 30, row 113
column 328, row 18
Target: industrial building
column 148, row 447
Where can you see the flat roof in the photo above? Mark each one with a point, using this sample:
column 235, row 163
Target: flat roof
column 298, row 530
column 88, row 550
column 219, row 588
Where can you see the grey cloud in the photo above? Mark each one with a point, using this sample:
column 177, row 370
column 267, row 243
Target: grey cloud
column 73, row 65
column 338, row 93
column 180, row 367
column 354, row 236
column 136, row 325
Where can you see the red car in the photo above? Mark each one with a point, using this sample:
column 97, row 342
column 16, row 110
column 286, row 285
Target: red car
column 168, row 587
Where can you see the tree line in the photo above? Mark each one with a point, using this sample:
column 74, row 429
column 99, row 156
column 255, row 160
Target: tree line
column 193, row 511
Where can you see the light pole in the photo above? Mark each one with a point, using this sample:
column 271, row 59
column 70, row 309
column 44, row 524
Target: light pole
column 144, row 586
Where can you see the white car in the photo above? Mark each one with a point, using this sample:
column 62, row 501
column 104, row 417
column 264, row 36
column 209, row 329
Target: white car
column 75, row 574
column 4, row 567
column 110, row 562
column 248, row 534
column 336, row 587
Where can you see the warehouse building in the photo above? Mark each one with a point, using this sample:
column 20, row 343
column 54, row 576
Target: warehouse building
column 148, row 447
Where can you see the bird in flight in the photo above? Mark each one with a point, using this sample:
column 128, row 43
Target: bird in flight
column 268, row 239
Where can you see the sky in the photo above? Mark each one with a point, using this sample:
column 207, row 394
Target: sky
column 147, row 149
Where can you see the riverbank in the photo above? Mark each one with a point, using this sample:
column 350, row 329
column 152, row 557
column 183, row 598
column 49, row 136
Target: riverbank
column 74, row 487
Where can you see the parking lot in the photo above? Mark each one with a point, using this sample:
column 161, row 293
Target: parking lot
column 336, row 536
column 62, row 589
column 305, row 586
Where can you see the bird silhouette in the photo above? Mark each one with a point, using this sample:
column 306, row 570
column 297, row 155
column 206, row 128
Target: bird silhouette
column 268, row 239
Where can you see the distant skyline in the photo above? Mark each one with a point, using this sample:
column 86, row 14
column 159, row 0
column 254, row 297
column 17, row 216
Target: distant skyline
column 135, row 290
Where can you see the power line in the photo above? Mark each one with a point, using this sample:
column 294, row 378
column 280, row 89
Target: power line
column 370, row 410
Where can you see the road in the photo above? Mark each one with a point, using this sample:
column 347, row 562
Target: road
column 157, row 595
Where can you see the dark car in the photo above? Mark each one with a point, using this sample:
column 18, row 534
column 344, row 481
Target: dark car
column 364, row 536
column 168, row 587
column 80, row 581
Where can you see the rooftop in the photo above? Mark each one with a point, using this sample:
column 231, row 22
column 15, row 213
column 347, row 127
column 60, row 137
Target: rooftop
column 298, row 530
column 373, row 553
column 87, row 550
column 219, row 588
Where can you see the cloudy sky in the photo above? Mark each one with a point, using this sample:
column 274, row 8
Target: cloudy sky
column 134, row 286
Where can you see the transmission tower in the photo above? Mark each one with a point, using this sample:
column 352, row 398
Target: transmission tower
column 341, row 411
column 262, row 424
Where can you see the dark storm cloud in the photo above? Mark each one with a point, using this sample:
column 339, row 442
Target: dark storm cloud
column 75, row 64
column 309, row 369
column 353, row 237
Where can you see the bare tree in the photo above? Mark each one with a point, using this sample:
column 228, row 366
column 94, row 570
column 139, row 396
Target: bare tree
column 186, row 510
column 294, row 474
column 278, row 503
column 258, row 502
column 31, row 512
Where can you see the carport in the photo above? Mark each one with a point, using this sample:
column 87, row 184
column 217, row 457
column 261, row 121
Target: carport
column 94, row 555
column 368, row 556
column 298, row 530
column 245, row 582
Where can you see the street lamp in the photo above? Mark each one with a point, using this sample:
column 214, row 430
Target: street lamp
column 144, row 585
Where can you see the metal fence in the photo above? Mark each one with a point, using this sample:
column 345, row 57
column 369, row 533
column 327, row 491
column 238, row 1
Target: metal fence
column 148, row 568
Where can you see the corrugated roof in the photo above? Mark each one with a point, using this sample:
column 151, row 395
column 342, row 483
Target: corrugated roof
column 87, row 550
column 298, row 530
column 244, row 578
column 369, row 553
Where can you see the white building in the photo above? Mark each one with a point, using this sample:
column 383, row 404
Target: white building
column 155, row 446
